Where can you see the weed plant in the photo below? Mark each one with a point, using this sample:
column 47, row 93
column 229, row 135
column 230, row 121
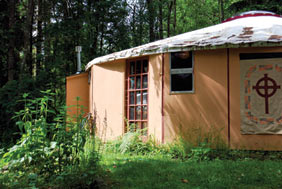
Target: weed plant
column 206, row 146
column 133, row 142
column 57, row 153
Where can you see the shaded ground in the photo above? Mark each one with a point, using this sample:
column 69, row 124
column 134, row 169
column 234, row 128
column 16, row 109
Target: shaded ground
column 160, row 172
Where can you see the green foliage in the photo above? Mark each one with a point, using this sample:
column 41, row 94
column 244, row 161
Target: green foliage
column 50, row 151
column 196, row 146
column 132, row 171
column 133, row 142
column 10, row 102
column 267, row 5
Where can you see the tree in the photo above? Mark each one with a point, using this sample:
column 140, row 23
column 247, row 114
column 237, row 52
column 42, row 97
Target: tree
column 151, row 15
column 221, row 10
column 27, row 65
column 247, row 5
column 161, row 35
column 12, row 39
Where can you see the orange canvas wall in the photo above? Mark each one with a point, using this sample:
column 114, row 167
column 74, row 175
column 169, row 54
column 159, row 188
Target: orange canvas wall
column 239, row 141
column 194, row 116
column 155, row 97
column 203, row 112
column 107, row 98
column 77, row 86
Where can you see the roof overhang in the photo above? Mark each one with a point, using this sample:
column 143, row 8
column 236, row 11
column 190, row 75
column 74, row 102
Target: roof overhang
column 261, row 31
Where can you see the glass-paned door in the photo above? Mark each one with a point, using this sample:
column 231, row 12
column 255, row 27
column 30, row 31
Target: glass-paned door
column 137, row 94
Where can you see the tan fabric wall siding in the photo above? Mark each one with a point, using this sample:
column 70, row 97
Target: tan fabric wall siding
column 107, row 98
column 77, row 86
column 204, row 112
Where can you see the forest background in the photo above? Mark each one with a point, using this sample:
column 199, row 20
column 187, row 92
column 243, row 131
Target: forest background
column 38, row 39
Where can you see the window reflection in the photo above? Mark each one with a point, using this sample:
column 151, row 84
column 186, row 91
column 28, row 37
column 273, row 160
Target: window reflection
column 145, row 96
column 144, row 116
column 138, row 67
column 131, row 101
column 132, row 82
column 138, row 112
column 138, row 82
column 131, row 112
column 145, row 81
column 138, row 97
column 145, row 66
column 132, row 68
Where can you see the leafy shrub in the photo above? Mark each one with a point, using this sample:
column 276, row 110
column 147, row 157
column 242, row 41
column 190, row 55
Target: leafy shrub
column 10, row 102
column 133, row 142
column 50, row 151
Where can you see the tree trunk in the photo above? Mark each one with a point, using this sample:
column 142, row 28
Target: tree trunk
column 31, row 18
column 11, row 47
column 151, row 20
column 39, row 37
column 133, row 25
column 102, row 36
column 161, row 33
column 174, row 18
column 27, row 61
column 168, row 17
column 221, row 10
column 140, row 37
column 46, row 41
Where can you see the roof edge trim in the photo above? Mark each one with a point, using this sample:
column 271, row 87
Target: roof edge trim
column 175, row 49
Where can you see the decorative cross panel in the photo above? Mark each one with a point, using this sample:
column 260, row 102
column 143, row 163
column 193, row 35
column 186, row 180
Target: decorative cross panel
column 261, row 96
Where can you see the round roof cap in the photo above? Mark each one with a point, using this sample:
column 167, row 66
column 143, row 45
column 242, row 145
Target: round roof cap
column 253, row 13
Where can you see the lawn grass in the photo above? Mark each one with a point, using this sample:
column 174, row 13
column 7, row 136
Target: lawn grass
column 133, row 171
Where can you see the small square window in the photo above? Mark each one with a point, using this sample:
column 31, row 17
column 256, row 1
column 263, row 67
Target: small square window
column 181, row 72
column 182, row 82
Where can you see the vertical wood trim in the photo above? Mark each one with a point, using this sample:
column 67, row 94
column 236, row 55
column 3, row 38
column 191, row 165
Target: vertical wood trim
column 163, row 97
column 228, row 95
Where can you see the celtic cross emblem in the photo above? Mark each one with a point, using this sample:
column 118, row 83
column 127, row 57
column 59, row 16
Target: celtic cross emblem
column 266, row 87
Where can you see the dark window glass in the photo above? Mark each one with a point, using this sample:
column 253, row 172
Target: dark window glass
column 181, row 60
column 138, row 97
column 138, row 67
column 131, row 101
column 131, row 112
column 138, row 112
column 145, row 81
column 138, row 82
column 182, row 82
column 144, row 112
column 145, row 66
column 132, row 68
column 144, row 97
column 132, row 82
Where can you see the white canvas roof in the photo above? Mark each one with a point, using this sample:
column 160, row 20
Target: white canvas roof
column 244, row 32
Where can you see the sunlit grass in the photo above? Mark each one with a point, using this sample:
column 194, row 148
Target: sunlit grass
column 130, row 171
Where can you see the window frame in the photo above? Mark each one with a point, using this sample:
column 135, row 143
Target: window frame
column 139, row 122
column 175, row 71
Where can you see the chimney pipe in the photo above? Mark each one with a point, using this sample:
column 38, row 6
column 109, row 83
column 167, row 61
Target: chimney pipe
column 78, row 50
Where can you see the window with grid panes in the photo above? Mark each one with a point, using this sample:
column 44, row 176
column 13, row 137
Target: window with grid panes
column 137, row 94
